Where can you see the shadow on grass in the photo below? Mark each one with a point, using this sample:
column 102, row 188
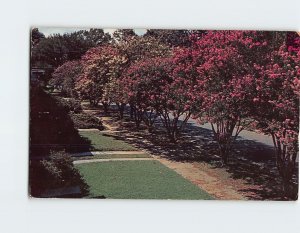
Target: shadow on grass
column 251, row 161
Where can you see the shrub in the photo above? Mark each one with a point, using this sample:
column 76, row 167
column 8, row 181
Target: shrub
column 70, row 104
column 85, row 121
column 55, row 172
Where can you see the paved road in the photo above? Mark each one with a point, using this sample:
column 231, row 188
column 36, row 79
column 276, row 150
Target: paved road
column 245, row 134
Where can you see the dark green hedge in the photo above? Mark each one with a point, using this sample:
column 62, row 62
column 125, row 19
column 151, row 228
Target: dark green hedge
column 85, row 121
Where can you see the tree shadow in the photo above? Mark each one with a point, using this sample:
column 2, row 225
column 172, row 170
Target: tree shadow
column 251, row 161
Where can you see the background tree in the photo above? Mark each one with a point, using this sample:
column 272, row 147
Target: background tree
column 56, row 49
column 123, row 35
column 172, row 38
column 36, row 37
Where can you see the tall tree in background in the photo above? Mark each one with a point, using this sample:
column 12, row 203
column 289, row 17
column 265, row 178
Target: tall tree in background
column 124, row 35
column 56, row 49
column 36, row 37
column 172, row 38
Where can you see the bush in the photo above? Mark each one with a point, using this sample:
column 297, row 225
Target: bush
column 70, row 104
column 56, row 172
column 85, row 121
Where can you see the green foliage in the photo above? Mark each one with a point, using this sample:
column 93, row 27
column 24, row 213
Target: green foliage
column 85, row 121
column 124, row 35
column 171, row 38
column 56, row 49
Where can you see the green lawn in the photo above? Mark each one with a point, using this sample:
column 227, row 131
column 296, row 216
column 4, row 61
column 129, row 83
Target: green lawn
column 112, row 156
column 138, row 180
column 104, row 142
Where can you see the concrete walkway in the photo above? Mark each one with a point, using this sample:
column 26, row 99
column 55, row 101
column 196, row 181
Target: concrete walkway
column 109, row 160
column 92, row 153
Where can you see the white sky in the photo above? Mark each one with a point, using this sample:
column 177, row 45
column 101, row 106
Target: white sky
column 61, row 30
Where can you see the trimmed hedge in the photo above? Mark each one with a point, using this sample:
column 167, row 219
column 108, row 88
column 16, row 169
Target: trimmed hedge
column 70, row 104
column 85, row 121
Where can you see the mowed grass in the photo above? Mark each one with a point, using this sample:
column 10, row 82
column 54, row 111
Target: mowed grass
column 112, row 156
column 103, row 142
column 138, row 180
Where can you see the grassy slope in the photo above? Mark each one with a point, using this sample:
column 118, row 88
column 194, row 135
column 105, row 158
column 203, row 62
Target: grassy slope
column 103, row 142
column 138, row 180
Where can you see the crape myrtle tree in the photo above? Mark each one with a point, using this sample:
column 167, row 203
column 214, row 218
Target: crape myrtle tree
column 65, row 76
column 136, row 49
column 100, row 66
column 144, row 84
column 154, row 91
column 277, row 105
column 113, row 92
column 224, row 84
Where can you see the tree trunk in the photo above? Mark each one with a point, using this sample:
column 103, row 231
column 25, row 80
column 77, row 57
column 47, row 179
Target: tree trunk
column 224, row 136
column 137, row 115
column 105, row 107
column 173, row 136
column 149, row 119
column 224, row 152
column 94, row 103
column 286, row 163
column 131, row 111
column 121, row 108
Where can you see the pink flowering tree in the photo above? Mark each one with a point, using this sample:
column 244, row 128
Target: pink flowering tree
column 277, row 108
column 223, row 91
column 154, row 90
column 144, row 84
column 100, row 67
column 65, row 76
